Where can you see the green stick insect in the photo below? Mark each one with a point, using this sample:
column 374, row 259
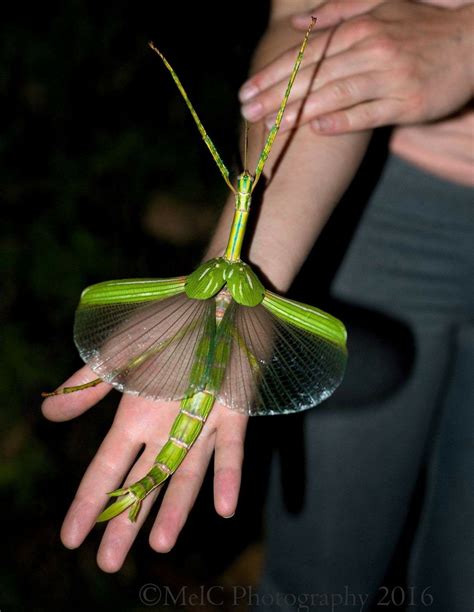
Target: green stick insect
column 215, row 335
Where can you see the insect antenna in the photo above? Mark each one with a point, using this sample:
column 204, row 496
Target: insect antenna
column 246, row 143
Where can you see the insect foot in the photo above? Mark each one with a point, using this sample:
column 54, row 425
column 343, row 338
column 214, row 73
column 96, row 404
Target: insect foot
column 135, row 494
column 130, row 499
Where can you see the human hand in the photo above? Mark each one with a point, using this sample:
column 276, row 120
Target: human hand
column 382, row 63
column 139, row 421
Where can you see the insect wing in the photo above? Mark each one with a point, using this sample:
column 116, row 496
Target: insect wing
column 279, row 364
column 144, row 347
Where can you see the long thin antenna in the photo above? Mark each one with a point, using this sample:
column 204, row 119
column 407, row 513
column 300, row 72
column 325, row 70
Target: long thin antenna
column 274, row 130
column 246, row 143
column 200, row 127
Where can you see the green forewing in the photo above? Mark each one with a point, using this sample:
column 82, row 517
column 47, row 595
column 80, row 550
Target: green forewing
column 207, row 280
column 129, row 291
column 244, row 285
column 211, row 276
column 306, row 317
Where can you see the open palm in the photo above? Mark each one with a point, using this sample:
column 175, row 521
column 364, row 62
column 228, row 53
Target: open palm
column 141, row 422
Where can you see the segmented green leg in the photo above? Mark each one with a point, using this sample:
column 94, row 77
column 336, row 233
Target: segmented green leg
column 253, row 362
column 210, row 145
column 276, row 126
column 133, row 363
column 64, row 390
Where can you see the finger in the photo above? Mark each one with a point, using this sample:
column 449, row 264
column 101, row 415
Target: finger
column 71, row 405
column 105, row 473
column 324, row 46
column 269, row 100
column 364, row 116
column 181, row 495
column 228, row 458
column 315, row 76
column 333, row 12
column 121, row 532
column 337, row 95
column 280, row 69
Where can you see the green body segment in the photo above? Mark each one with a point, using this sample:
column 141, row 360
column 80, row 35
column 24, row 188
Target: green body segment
column 243, row 198
column 236, row 237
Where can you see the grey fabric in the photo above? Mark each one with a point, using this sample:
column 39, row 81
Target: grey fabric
column 444, row 547
column 411, row 260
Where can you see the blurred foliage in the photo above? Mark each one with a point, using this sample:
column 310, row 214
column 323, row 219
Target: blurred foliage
column 94, row 133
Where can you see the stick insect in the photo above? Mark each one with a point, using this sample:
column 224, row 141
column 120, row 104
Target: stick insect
column 214, row 335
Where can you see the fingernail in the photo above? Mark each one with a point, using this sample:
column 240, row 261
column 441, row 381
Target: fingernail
column 229, row 515
column 252, row 111
column 270, row 120
column 301, row 20
column 323, row 124
column 247, row 91
column 287, row 121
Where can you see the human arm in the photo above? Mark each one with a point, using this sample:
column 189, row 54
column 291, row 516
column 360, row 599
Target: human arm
column 384, row 63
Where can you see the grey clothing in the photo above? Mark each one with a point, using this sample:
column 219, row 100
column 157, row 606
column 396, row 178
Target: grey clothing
column 366, row 451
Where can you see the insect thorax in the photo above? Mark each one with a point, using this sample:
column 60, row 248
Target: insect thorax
column 244, row 191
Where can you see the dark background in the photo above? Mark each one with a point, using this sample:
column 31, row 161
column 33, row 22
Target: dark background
column 102, row 173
